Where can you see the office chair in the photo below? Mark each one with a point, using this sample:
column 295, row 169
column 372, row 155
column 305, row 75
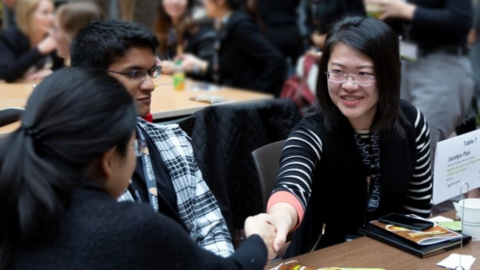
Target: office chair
column 266, row 160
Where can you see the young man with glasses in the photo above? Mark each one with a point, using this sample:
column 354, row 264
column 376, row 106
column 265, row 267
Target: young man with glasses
column 166, row 176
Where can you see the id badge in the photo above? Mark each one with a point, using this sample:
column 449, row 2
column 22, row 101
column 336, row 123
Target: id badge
column 408, row 51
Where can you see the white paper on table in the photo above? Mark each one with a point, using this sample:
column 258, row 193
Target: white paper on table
column 457, row 161
column 453, row 261
column 440, row 219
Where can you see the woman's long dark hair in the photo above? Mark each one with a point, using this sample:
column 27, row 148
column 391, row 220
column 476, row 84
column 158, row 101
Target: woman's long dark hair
column 72, row 118
column 378, row 41
column 163, row 24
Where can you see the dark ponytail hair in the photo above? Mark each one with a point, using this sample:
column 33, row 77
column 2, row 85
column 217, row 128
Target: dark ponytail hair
column 73, row 117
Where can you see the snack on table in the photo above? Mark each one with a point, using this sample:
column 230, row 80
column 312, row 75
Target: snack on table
column 293, row 265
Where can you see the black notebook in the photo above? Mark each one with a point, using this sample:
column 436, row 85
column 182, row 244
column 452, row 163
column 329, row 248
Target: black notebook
column 422, row 251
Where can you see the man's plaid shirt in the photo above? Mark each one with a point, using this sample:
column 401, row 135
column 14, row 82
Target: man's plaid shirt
column 197, row 206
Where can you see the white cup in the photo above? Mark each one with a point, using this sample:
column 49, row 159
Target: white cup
column 471, row 217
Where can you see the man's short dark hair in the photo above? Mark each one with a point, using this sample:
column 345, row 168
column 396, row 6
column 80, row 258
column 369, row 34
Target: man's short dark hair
column 100, row 43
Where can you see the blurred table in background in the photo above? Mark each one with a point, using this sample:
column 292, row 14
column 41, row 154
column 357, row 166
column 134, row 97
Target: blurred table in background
column 166, row 102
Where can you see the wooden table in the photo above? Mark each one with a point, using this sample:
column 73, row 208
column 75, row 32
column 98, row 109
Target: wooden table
column 166, row 102
column 366, row 252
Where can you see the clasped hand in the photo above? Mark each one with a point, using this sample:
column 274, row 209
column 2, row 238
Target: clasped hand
column 273, row 227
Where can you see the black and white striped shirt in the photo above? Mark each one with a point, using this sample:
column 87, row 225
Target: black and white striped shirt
column 303, row 151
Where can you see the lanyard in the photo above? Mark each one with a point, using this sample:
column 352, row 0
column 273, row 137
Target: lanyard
column 372, row 168
column 149, row 175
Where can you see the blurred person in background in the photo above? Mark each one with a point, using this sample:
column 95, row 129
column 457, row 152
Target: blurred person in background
column 180, row 31
column 59, row 211
column 244, row 57
column 9, row 5
column 474, row 43
column 127, row 9
column 70, row 18
column 322, row 14
column 280, row 19
column 437, row 74
column 436, row 71
column 28, row 51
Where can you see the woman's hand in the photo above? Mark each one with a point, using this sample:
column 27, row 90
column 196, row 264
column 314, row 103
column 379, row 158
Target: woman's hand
column 191, row 63
column 168, row 67
column 260, row 225
column 48, row 45
column 39, row 75
column 395, row 9
column 472, row 38
column 284, row 218
column 317, row 55
column 319, row 40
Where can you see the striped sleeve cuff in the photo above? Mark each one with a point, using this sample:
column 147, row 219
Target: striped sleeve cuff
column 287, row 197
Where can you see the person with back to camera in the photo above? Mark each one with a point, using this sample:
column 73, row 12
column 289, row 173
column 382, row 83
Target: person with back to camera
column 28, row 50
column 364, row 153
column 61, row 172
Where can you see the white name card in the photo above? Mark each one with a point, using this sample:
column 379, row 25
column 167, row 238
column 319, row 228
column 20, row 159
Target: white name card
column 457, row 161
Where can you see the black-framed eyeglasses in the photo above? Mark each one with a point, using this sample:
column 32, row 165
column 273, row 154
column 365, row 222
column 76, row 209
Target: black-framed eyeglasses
column 139, row 147
column 358, row 79
column 140, row 75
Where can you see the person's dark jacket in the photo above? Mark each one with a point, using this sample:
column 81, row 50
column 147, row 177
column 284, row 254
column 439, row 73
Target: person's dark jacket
column 437, row 23
column 279, row 17
column 223, row 139
column 16, row 55
column 322, row 14
column 100, row 233
column 247, row 59
column 200, row 42
column 197, row 41
column 476, row 20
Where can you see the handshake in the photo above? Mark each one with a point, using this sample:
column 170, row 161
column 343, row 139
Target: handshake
column 273, row 227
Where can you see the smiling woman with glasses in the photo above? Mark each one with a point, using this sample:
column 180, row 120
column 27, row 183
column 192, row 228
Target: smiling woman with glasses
column 362, row 144
column 363, row 79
